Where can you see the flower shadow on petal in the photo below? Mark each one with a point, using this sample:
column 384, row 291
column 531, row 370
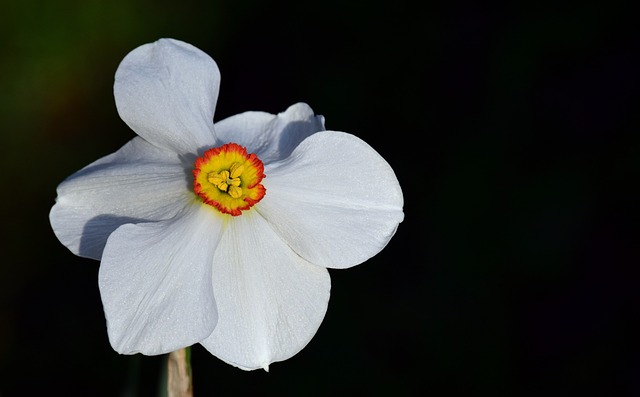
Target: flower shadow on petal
column 188, row 163
column 294, row 133
column 97, row 230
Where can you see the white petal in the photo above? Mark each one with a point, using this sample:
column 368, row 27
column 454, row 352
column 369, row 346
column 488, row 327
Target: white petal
column 166, row 92
column 270, row 137
column 138, row 183
column 335, row 201
column 155, row 282
column 270, row 301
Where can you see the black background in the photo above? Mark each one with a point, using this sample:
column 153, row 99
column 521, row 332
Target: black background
column 512, row 128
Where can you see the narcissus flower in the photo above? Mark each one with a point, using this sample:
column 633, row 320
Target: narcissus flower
column 221, row 234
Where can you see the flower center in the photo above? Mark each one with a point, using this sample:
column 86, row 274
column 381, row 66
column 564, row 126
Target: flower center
column 228, row 178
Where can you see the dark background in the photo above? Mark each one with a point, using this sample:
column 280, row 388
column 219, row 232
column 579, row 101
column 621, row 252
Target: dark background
column 513, row 130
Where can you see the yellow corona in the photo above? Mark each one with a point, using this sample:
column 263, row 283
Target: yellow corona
column 228, row 179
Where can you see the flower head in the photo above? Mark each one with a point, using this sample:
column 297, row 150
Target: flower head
column 220, row 234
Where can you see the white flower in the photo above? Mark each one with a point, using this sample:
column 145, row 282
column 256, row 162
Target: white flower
column 241, row 266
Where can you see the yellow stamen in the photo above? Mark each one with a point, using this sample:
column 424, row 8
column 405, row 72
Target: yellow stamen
column 236, row 170
column 228, row 180
column 234, row 191
column 217, row 178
